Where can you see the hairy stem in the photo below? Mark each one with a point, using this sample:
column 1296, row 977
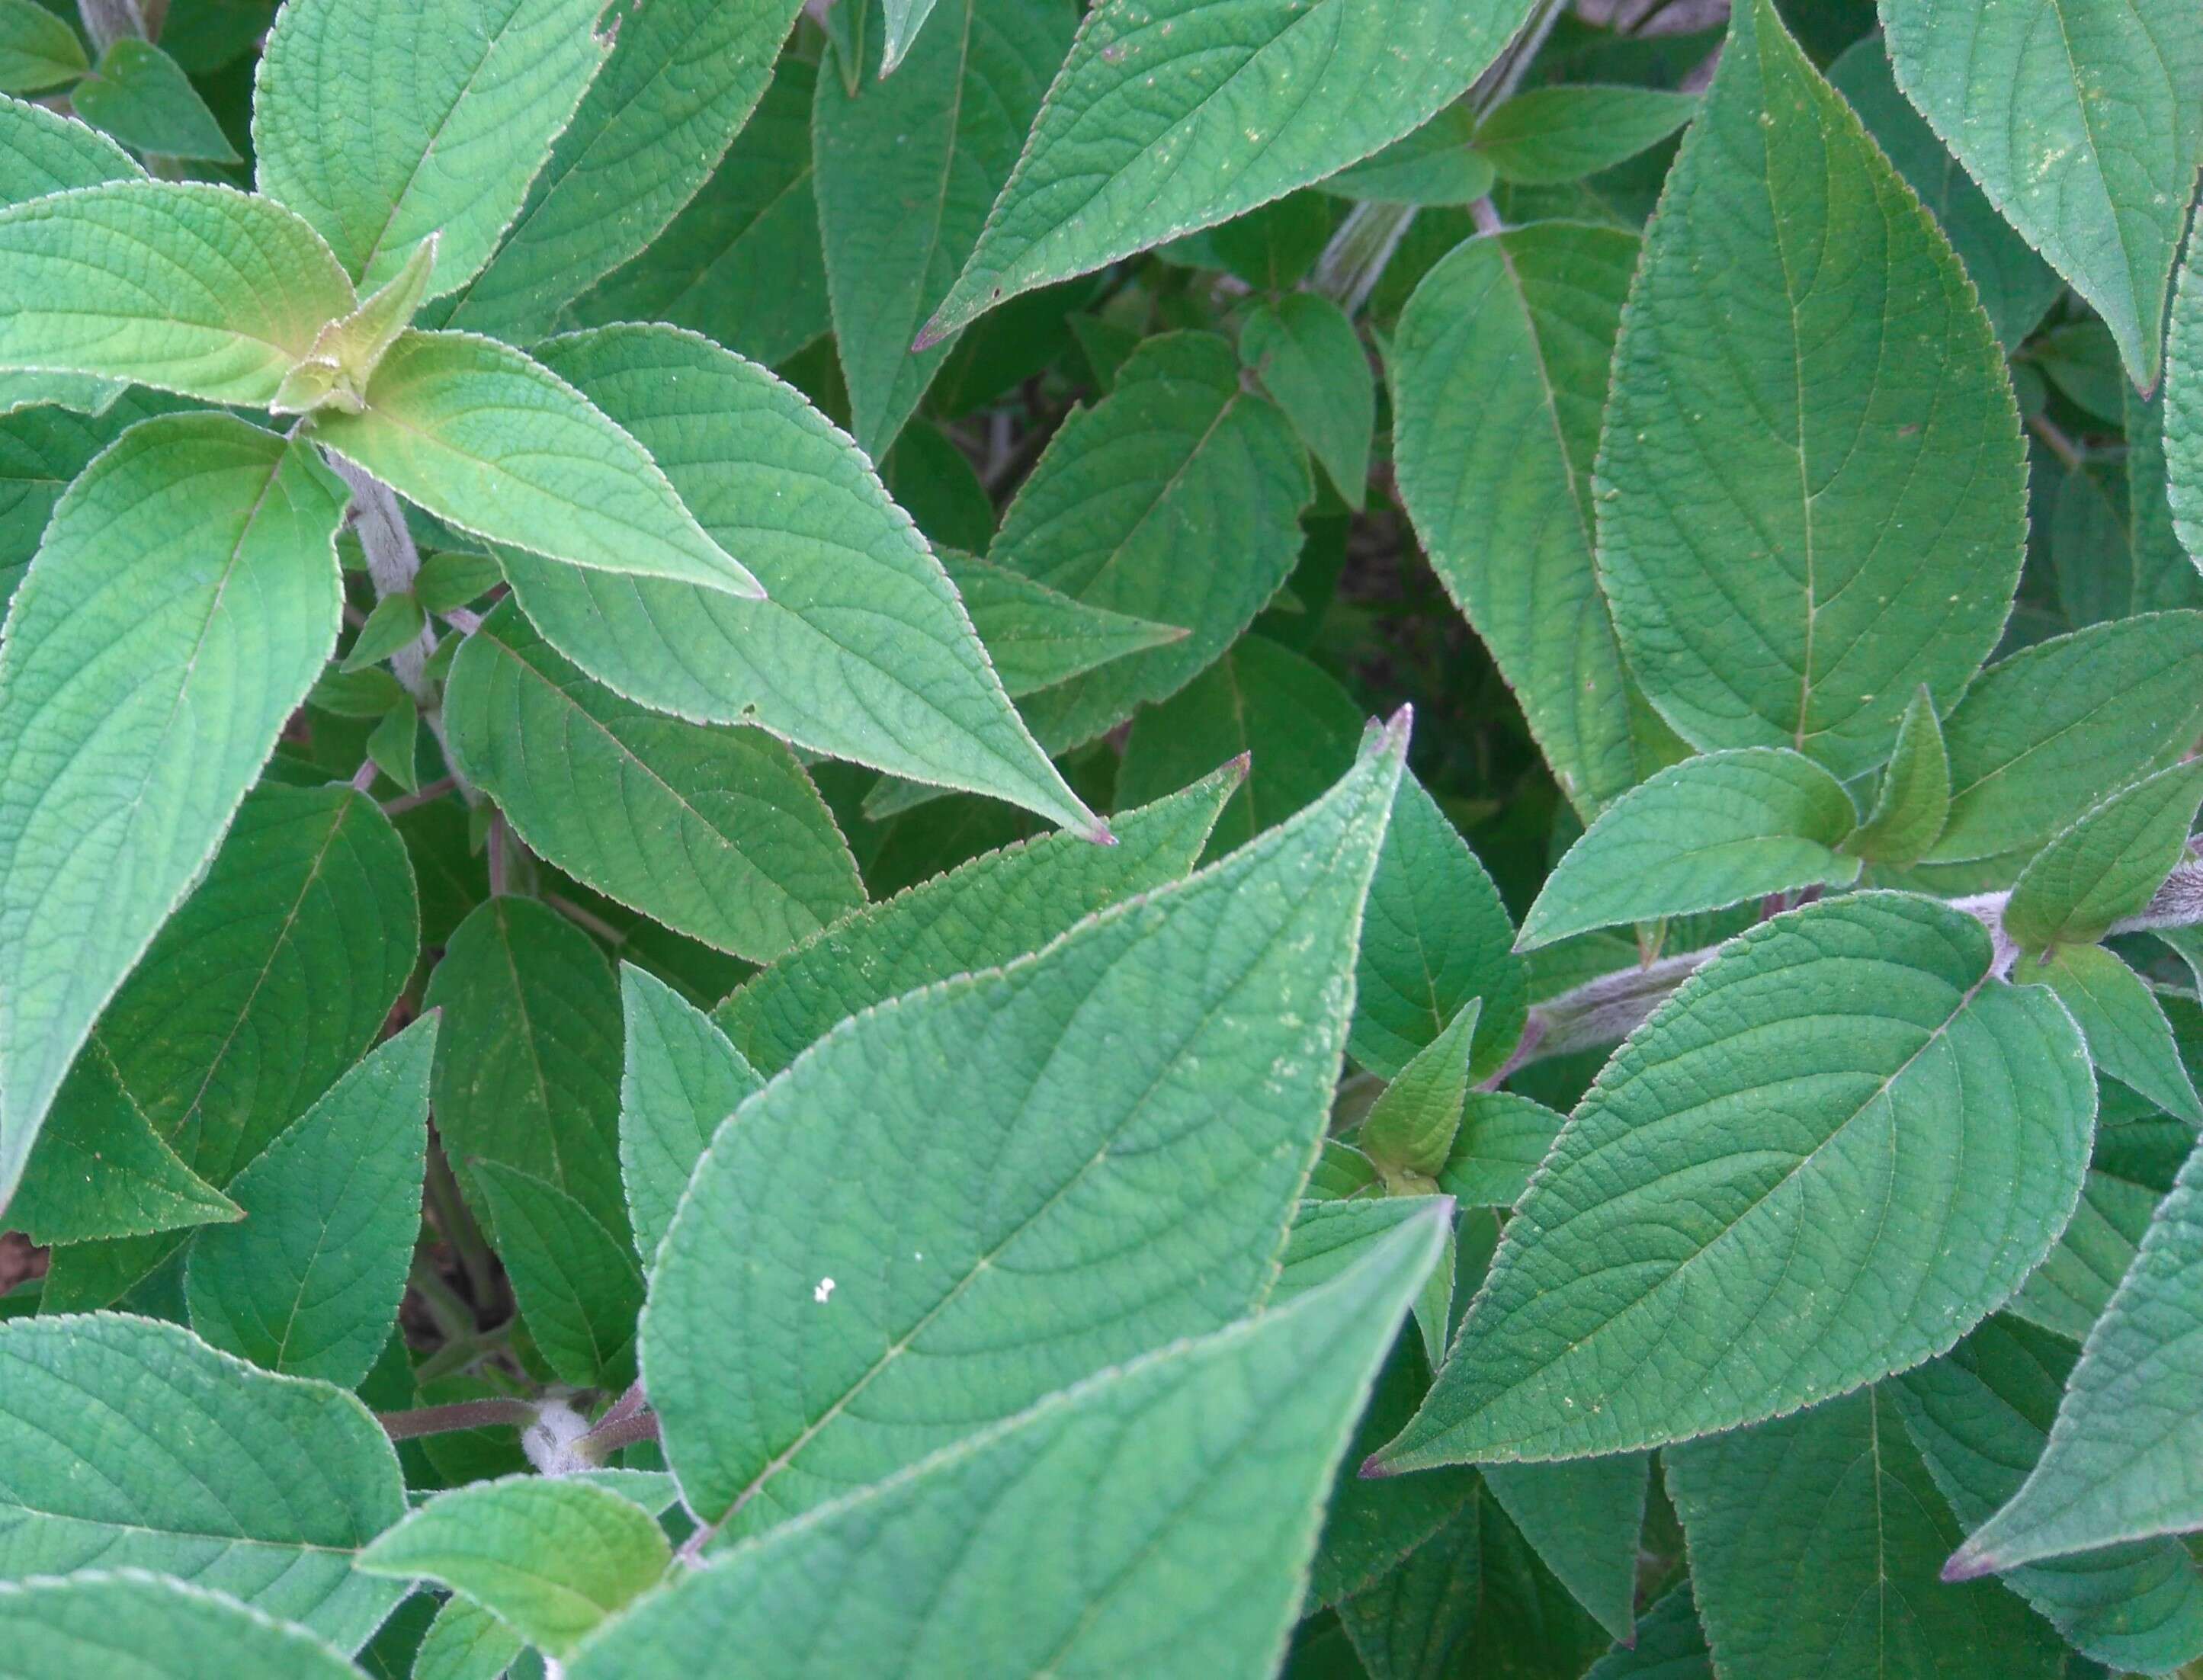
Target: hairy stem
column 477, row 1414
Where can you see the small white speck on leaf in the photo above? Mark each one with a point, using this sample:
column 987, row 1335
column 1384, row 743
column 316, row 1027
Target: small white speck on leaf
column 823, row 1292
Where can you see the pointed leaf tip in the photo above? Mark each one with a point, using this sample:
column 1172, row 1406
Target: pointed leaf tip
column 1967, row 1564
column 1374, row 1469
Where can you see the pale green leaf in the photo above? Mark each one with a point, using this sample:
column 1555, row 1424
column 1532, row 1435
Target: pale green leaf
column 126, row 1624
column 184, row 600
column 553, row 1559
column 1814, row 1539
column 466, row 1642
column 578, row 1287
column 1710, row 832
column 2107, row 863
column 1913, row 802
column 1929, row 1145
column 347, row 351
column 679, row 1078
column 863, row 652
column 133, row 1444
column 1412, row 1125
column 1038, row 637
column 38, row 49
column 1178, row 459
column 1173, row 117
column 1811, row 479
column 309, row 1284
column 190, row 288
column 714, row 831
column 142, row 97
column 1501, row 1140
column 980, row 915
column 1498, row 373
column 1188, row 1560
column 1553, row 135
column 491, row 440
column 1437, row 164
column 383, row 125
column 42, row 151
column 2180, row 442
column 1103, row 1191
column 1304, row 350
column 1583, row 1520
column 2129, row 1037
column 1327, row 1238
column 2098, row 174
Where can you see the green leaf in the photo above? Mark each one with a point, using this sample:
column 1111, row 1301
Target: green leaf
column 494, row 442
column 1327, row 1238
column 309, row 1284
column 1288, row 722
column 1037, row 637
column 682, row 77
column 466, row 1642
column 761, row 1333
column 186, row 595
column 716, row 832
column 42, row 152
column 142, row 97
column 553, row 1559
column 679, row 1078
column 99, row 1169
column 1170, row 117
column 1304, row 350
column 347, row 351
column 2069, row 1290
column 1502, row 1139
column 863, row 653
column 742, row 263
column 189, row 288
column 906, row 170
column 1412, row 1125
column 1498, row 373
column 980, row 915
column 2129, row 1037
column 2107, row 863
column 1814, row 1541
column 1551, row 136
column 2017, row 285
column 2048, row 733
column 1437, row 164
column 134, row 1445
column 1178, row 459
column 386, row 125
column 396, row 622
column 1914, row 800
column 2122, row 1459
column 2099, row 176
column 1435, row 935
column 2162, row 575
column 1192, row 1560
column 1980, row 1416
column 1670, row 1644
column 38, row 50
column 149, row 1627
column 1583, row 1520
column 1710, row 832
column 1856, row 515
column 2180, row 442
column 1932, row 1136
column 527, row 1060
column 1414, row 1623
column 578, row 1287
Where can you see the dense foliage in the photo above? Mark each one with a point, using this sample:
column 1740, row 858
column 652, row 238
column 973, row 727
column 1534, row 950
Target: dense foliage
column 1341, row 837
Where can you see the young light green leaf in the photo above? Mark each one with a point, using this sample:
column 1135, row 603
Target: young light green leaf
column 1038, row 637
column 397, row 621
column 1194, row 1561
column 1410, row 1128
column 1304, row 350
column 1171, row 117
column 185, row 287
column 2107, row 863
column 1437, row 164
column 2017, row 285
column 679, row 1078
column 1933, row 1139
column 1914, row 800
column 1551, row 136
column 2129, row 1037
column 528, row 1061
column 347, row 352
column 578, row 1287
column 682, row 77
column 1435, row 935
column 2123, row 1462
column 1814, row 1542
column 716, row 832
column 1502, row 1139
column 309, row 1284
column 149, row 1627
column 763, row 1334
column 2048, row 733
column 865, row 653
column 185, row 598
column 38, row 49
column 1178, row 459
column 1710, row 832
column 466, row 1642
column 552, row 1558
column 981, row 914
column 133, row 1444
column 2099, row 183
column 1980, row 1416
column 1329, row 1237
column 385, row 125
column 906, row 170
column 42, row 151
column 493, row 441
column 2069, row 1290
column 142, row 97
column 1863, row 532
column 1498, row 373
column 1583, row 1519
